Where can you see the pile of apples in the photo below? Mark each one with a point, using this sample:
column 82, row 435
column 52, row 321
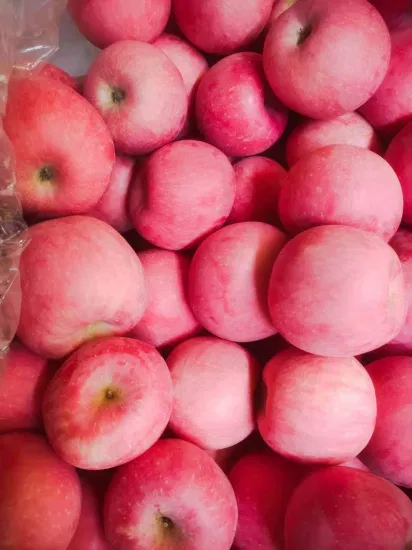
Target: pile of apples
column 215, row 341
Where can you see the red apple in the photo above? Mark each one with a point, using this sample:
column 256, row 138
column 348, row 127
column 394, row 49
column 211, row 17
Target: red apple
column 104, row 23
column 40, row 495
column 80, row 280
column 218, row 27
column 344, row 508
column 229, row 279
column 48, row 70
column 108, row 403
column 174, row 497
column 337, row 291
column 235, row 109
column 324, row 58
column 349, row 129
column 54, row 172
column 182, row 193
column 399, row 157
column 140, row 94
column 23, row 380
column 168, row 318
column 297, row 419
column 212, row 378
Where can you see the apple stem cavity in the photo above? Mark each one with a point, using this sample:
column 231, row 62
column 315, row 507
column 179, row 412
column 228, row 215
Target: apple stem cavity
column 46, row 174
column 118, row 96
column 304, row 34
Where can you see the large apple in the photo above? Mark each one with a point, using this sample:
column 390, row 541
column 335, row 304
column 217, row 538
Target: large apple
column 399, row 157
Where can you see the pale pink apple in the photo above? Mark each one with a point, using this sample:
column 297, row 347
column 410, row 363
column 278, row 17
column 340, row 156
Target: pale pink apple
column 229, row 280
column 104, row 23
column 183, row 192
column 80, row 280
column 399, row 157
column 325, row 58
column 48, row 70
column 337, row 291
column 109, row 402
column 140, row 94
column 63, row 163
column 174, row 497
column 40, row 495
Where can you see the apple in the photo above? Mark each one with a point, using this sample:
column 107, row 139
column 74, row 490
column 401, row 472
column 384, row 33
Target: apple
column 80, row 280
column 212, row 378
column 23, row 380
column 296, row 417
column 54, row 175
column 109, row 402
column 325, row 58
column 349, row 509
column 113, row 206
column 168, row 319
column 229, row 279
column 235, row 108
column 390, row 108
column 174, row 497
column 342, row 185
column 140, row 94
column 217, row 27
column 263, row 483
column 348, row 129
column 40, row 495
column 398, row 156
column 183, row 192
column 48, row 70
column 105, row 23
column 337, row 291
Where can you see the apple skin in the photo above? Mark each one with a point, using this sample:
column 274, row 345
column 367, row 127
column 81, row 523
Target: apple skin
column 235, row 108
column 337, row 291
column 342, row 185
column 109, row 402
column 24, row 377
column 168, row 319
column 174, row 497
column 211, row 379
column 399, row 157
column 40, row 495
column 279, row 7
column 229, row 278
column 216, row 27
column 54, row 175
column 348, row 129
column 346, row 508
column 397, row 13
column 140, row 94
column 104, row 23
column 296, row 419
column 48, row 70
column 113, row 206
column 94, row 285
column 181, row 194
column 315, row 37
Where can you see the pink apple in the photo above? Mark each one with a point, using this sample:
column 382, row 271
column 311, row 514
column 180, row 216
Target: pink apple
column 390, row 108
column 342, row 185
column 229, row 279
column 388, row 452
column 349, row 129
column 263, row 483
column 104, row 23
column 113, row 206
column 48, row 70
column 399, row 157
column 297, row 419
column 23, row 380
column 212, row 378
column 80, row 280
column 54, row 172
column 235, row 108
column 348, row 509
column 337, row 291
column 217, row 27
column 40, row 495
column 183, row 192
column 108, row 403
column 168, row 318
column 324, row 58
column 140, row 94
column 174, row 497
